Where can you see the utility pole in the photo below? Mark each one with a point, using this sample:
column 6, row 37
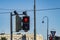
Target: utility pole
column 11, row 35
column 34, row 19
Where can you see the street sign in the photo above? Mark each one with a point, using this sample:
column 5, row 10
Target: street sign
column 53, row 33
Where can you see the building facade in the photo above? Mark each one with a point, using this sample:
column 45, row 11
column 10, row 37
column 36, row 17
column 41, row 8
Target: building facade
column 21, row 37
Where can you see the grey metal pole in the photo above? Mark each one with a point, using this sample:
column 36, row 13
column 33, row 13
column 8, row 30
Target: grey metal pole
column 11, row 26
column 34, row 19
column 47, row 27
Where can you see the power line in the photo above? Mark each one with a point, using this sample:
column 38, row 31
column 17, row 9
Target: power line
column 6, row 9
column 42, row 9
column 4, row 12
column 49, row 9
column 31, row 10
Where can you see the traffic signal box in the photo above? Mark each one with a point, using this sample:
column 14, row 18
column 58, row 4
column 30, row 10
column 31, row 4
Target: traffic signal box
column 18, row 23
column 26, row 23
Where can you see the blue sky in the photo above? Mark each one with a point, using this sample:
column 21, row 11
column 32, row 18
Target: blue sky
column 53, row 15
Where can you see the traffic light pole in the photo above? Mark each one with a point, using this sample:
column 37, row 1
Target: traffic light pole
column 34, row 19
column 11, row 34
column 11, row 28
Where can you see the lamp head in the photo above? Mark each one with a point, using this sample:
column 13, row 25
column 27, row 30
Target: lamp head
column 42, row 21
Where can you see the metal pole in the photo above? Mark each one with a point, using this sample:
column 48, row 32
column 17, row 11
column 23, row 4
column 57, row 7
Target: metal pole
column 34, row 19
column 47, row 27
column 11, row 26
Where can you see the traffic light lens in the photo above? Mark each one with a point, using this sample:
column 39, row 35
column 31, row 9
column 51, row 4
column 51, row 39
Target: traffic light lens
column 25, row 19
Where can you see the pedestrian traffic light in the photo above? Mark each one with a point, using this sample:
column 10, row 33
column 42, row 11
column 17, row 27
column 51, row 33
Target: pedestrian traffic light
column 18, row 22
column 26, row 23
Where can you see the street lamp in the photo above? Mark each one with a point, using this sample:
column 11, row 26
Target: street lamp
column 47, row 24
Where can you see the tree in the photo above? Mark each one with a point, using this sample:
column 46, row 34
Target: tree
column 3, row 38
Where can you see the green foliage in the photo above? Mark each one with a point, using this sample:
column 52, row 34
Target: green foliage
column 3, row 38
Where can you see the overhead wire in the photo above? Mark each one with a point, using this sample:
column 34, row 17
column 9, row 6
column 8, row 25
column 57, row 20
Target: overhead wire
column 4, row 12
column 43, row 9
column 6, row 9
column 29, row 10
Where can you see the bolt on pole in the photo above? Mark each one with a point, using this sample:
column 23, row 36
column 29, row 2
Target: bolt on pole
column 34, row 19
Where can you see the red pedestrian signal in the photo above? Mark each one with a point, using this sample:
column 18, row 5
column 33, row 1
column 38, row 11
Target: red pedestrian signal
column 26, row 23
column 25, row 19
